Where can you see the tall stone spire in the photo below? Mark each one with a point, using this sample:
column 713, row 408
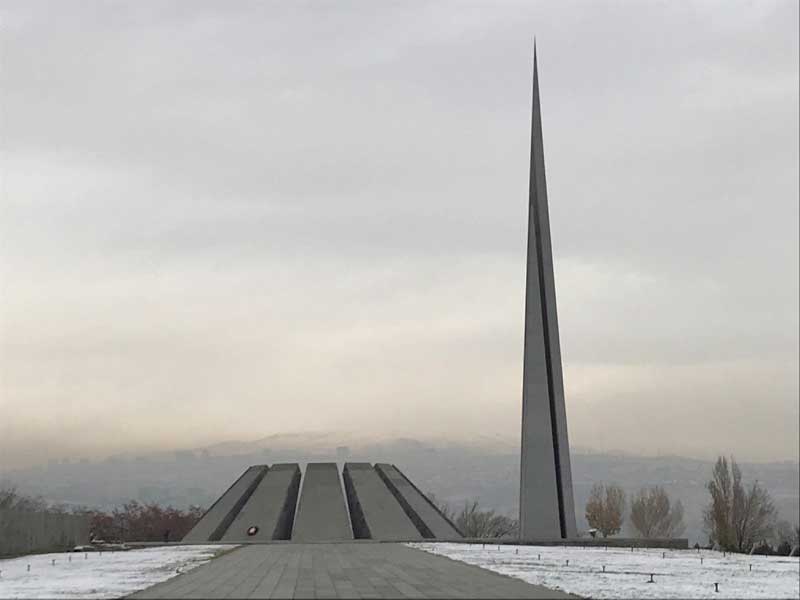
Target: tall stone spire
column 547, row 508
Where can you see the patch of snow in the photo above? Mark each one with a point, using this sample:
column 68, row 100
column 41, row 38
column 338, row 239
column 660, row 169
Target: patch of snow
column 676, row 573
column 96, row 574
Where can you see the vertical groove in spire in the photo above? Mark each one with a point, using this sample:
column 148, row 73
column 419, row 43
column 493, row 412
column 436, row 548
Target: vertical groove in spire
column 537, row 144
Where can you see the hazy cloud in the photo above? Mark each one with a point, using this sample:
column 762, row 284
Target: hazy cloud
column 230, row 220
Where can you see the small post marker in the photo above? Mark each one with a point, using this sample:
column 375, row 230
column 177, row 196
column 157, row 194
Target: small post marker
column 651, row 579
column 85, row 555
column 540, row 557
column 567, row 562
column 701, row 560
column 751, row 567
column 716, row 587
column 604, row 568
column 631, row 548
column 53, row 562
column 29, row 568
column 498, row 548
column 663, row 555
column 516, row 551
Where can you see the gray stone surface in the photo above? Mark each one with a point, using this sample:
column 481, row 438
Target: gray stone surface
column 428, row 519
column 321, row 513
column 342, row 570
column 270, row 507
column 374, row 511
column 546, row 501
column 214, row 523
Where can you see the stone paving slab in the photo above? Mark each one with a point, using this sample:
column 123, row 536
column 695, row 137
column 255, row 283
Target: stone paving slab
column 341, row 570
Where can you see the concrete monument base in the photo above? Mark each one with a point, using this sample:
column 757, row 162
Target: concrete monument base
column 277, row 503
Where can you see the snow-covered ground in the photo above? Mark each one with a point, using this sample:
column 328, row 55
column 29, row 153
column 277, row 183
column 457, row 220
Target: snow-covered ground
column 676, row 573
column 96, row 575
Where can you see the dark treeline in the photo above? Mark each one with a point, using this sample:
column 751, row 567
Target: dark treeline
column 136, row 522
column 475, row 522
column 131, row 522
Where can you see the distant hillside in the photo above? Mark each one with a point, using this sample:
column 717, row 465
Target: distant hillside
column 454, row 472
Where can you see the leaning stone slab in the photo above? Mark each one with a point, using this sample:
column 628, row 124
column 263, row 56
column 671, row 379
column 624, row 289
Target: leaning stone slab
column 269, row 512
column 321, row 512
column 215, row 522
column 374, row 511
column 428, row 519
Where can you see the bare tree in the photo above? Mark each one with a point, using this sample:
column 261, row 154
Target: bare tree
column 718, row 514
column 605, row 509
column 594, row 506
column 783, row 532
column 754, row 518
column 10, row 499
column 473, row 522
column 654, row 516
column 783, row 538
column 476, row 523
column 737, row 518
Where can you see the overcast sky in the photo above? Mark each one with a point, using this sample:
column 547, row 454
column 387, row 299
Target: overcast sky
column 231, row 219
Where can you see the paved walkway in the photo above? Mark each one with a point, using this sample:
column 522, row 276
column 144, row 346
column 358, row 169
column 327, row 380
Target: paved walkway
column 341, row 570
